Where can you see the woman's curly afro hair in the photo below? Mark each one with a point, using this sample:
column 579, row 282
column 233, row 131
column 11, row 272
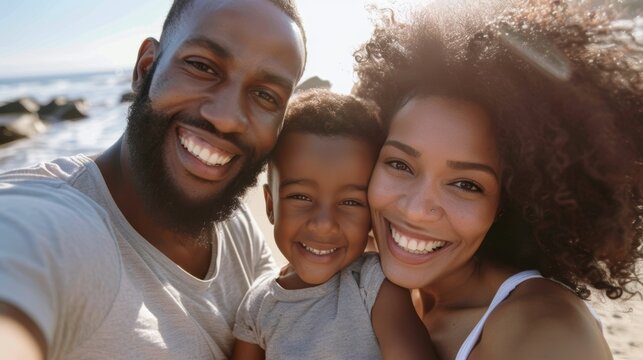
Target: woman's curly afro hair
column 563, row 86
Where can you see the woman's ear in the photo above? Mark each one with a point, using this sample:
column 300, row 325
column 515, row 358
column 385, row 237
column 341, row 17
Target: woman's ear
column 147, row 54
column 267, row 196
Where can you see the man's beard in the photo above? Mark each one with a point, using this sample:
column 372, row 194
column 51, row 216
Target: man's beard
column 163, row 199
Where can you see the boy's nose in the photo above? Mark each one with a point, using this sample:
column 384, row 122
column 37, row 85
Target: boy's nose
column 323, row 221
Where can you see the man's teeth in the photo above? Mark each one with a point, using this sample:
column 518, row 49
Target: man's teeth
column 317, row 251
column 415, row 246
column 211, row 159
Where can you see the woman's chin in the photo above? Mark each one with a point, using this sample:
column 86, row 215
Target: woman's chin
column 402, row 275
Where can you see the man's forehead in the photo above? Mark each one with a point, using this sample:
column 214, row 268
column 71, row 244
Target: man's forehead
column 262, row 10
column 232, row 22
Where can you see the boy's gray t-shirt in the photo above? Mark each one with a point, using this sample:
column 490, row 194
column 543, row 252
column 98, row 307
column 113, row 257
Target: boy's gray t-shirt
column 328, row 321
column 97, row 289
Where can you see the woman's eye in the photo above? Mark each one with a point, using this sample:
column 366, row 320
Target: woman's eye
column 399, row 165
column 469, row 186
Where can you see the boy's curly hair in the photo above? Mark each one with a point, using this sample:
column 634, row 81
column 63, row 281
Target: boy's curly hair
column 563, row 86
column 325, row 113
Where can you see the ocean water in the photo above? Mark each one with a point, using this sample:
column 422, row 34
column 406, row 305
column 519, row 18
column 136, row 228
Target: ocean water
column 107, row 116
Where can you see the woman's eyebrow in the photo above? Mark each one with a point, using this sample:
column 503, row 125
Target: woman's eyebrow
column 403, row 147
column 465, row 165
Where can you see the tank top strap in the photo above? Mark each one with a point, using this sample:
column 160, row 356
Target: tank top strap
column 505, row 289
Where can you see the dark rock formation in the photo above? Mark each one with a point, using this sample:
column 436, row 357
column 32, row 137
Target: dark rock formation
column 313, row 83
column 20, row 106
column 52, row 106
column 60, row 108
column 18, row 126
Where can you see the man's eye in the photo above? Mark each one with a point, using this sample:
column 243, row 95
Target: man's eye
column 469, row 186
column 267, row 99
column 265, row 96
column 202, row 67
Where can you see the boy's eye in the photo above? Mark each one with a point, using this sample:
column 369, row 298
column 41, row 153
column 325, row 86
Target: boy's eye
column 299, row 197
column 351, row 203
column 468, row 186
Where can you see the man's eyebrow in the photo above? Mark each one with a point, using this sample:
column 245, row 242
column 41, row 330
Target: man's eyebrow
column 403, row 147
column 465, row 165
column 212, row 46
column 277, row 79
column 223, row 53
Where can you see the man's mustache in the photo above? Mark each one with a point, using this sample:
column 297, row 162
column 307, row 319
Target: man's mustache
column 205, row 125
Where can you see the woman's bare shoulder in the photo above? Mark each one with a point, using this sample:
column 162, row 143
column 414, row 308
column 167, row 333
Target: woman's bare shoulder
column 542, row 319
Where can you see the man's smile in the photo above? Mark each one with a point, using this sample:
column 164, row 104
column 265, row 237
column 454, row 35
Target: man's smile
column 208, row 154
column 204, row 155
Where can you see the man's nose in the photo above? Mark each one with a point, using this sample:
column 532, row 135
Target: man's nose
column 224, row 109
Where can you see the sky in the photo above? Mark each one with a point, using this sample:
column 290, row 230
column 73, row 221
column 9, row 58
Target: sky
column 47, row 37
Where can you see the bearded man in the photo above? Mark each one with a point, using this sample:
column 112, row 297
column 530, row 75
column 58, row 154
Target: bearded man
column 145, row 251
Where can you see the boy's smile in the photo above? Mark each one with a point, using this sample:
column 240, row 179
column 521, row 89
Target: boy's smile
column 318, row 202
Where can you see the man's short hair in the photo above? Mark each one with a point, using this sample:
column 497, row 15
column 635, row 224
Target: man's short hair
column 179, row 7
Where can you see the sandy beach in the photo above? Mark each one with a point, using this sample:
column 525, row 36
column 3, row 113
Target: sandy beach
column 622, row 320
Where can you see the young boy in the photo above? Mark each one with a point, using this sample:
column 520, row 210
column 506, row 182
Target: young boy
column 333, row 302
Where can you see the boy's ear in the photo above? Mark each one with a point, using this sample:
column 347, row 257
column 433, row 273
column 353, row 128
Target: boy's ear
column 147, row 53
column 267, row 196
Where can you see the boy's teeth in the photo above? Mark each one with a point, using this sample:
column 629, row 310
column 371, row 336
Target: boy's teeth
column 203, row 154
column 415, row 246
column 317, row 251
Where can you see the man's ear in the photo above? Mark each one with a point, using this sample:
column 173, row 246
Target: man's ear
column 267, row 196
column 147, row 53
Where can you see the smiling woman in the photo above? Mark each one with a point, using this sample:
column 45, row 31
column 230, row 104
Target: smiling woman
column 438, row 166
column 513, row 155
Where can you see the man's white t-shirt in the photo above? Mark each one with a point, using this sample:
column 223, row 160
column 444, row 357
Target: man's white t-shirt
column 97, row 289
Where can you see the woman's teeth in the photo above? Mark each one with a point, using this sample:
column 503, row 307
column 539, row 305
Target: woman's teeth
column 203, row 154
column 415, row 246
column 317, row 251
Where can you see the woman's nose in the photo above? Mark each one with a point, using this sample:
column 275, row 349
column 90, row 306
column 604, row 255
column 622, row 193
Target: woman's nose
column 421, row 203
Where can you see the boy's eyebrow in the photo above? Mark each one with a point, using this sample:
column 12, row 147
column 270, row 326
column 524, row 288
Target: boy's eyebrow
column 288, row 182
column 355, row 187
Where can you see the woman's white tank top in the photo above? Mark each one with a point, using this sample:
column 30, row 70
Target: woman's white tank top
column 505, row 289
